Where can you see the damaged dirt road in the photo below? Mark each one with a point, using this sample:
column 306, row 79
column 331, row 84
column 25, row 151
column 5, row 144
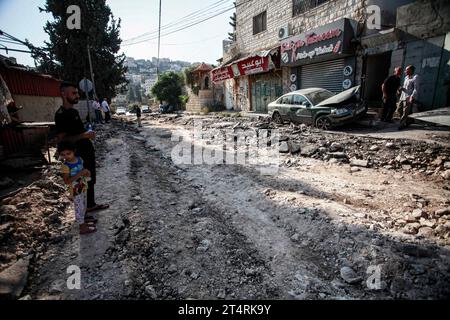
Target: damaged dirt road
column 325, row 227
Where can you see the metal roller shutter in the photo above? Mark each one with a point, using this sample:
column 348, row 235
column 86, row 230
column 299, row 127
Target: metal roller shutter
column 328, row 75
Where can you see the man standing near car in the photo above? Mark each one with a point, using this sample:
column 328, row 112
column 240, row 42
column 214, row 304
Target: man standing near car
column 410, row 96
column 390, row 88
column 70, row 128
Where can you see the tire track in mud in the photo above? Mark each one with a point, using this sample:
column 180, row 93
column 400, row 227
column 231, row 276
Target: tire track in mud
column 180, row 246
column 304, row 242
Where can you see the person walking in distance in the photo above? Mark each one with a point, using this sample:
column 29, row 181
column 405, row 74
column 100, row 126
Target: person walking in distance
column 138, row 111
column 106, row 110
column 390, row 88
column 70, row 128
column 410, row 96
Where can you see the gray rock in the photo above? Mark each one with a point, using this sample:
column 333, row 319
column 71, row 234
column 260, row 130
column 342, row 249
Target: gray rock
column 446, row 175
column 295, row 148
column 335, row 147
column 284, row 147
column 172, row 269
column 350, row 276
column 374, row 148
column 14, row 279
column 442, row 212
column 390, row 145
column 308, row 151
column 418, row 213
column 204, row 246
column 426, row 232
column 222, row 294
column 359, row 163
column 338, row 155
column 411, row 228
column 151, row 292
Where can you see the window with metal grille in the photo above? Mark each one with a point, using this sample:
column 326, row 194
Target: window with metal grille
column 260, row 23
column 302, row 6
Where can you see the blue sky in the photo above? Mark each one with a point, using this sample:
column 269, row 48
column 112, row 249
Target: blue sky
column 201, row 43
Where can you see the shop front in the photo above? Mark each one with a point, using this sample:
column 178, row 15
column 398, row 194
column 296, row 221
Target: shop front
column 257, row 80
column 323, row 57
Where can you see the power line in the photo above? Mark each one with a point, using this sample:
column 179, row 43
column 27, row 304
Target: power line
column 187, row 26
column 193, row 15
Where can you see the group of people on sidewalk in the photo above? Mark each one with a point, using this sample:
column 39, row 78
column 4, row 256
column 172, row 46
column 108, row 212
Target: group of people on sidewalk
column 398, row 98
column 101, row 109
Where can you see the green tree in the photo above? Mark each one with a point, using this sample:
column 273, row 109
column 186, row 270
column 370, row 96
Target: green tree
column 66, row 54
column 169, row 88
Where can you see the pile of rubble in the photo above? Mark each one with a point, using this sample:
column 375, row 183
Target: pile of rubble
column 359, row 152
column 29, row 221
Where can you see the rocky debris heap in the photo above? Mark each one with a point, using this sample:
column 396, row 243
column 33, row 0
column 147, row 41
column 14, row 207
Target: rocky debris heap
column 31, row 219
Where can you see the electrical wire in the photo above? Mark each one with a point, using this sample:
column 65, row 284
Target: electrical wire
column 193, row 15
column 189, row 25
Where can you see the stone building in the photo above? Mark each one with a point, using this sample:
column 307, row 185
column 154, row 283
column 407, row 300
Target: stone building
column 288, row 45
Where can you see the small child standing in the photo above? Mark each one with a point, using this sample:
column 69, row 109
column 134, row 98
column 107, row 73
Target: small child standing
column 76, row 178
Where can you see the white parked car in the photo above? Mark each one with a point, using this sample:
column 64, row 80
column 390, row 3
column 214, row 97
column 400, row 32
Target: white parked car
column 121, row 111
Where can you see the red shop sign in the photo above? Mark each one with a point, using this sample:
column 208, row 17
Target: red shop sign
column 253, row 65
column 222, row 74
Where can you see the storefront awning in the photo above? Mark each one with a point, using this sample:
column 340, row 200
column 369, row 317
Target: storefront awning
column 258, row 62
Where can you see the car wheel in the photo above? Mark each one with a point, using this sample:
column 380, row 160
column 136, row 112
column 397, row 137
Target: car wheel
column 323, row 123
column 277, row 118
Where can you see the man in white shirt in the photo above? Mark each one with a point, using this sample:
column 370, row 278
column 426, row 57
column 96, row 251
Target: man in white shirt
column 410, row 96
column 106, row 110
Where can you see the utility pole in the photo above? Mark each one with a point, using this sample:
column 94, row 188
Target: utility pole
column 159, row 39
column 91, row 70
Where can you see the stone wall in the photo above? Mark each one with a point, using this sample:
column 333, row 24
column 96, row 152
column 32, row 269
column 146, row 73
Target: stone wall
column 425, row 19
column 280, row 13
column 37, row 109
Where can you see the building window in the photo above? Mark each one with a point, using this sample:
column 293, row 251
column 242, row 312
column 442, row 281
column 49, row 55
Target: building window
column 302, row 6
column 260, row 23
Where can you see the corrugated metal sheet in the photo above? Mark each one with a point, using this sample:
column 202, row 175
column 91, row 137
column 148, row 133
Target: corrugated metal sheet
column 12, row 140
column 22, row 82
column 327, row 75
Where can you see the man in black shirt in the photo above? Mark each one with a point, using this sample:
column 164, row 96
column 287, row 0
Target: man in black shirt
column 138, row 111
column 390, row 92
column 70, row 128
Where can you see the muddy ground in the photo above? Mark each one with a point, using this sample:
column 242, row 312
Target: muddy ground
column 320, row 228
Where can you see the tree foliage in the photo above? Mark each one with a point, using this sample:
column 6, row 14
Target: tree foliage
column 66, row 53
column 169, row 88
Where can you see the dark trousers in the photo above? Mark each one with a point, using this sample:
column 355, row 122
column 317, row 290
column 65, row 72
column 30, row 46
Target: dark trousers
column 98, row 116
column 389, row 107
column 107, row 117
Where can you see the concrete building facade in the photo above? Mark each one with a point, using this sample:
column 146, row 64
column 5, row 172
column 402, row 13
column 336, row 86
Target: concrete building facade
column 336, row 44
